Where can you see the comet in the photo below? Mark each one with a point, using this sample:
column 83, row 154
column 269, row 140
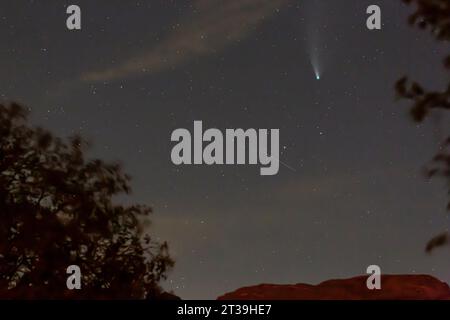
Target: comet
column 315, row 65
column 316, row 42
column 317, row 73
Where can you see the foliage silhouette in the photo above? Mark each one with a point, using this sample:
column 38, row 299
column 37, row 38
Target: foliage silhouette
column 432, row 15
column 56, row 210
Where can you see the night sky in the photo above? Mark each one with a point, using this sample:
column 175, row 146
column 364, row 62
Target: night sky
column 351, row 193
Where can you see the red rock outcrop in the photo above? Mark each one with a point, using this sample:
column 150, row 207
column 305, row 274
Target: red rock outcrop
column 393, row 287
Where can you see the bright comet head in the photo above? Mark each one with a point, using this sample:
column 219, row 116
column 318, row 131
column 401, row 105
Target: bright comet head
column 314, row 60
column 317, row 73
column 316, row 69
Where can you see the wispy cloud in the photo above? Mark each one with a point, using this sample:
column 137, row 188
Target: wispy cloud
column 213, row 25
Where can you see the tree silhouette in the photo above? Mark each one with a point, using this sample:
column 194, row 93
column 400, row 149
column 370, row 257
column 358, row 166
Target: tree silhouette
column 57, row 209
column 432, row 15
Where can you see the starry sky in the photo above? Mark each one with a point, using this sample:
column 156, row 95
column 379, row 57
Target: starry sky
column 353, row 194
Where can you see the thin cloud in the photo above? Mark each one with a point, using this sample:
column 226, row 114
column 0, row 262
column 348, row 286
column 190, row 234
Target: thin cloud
column 214, row 25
